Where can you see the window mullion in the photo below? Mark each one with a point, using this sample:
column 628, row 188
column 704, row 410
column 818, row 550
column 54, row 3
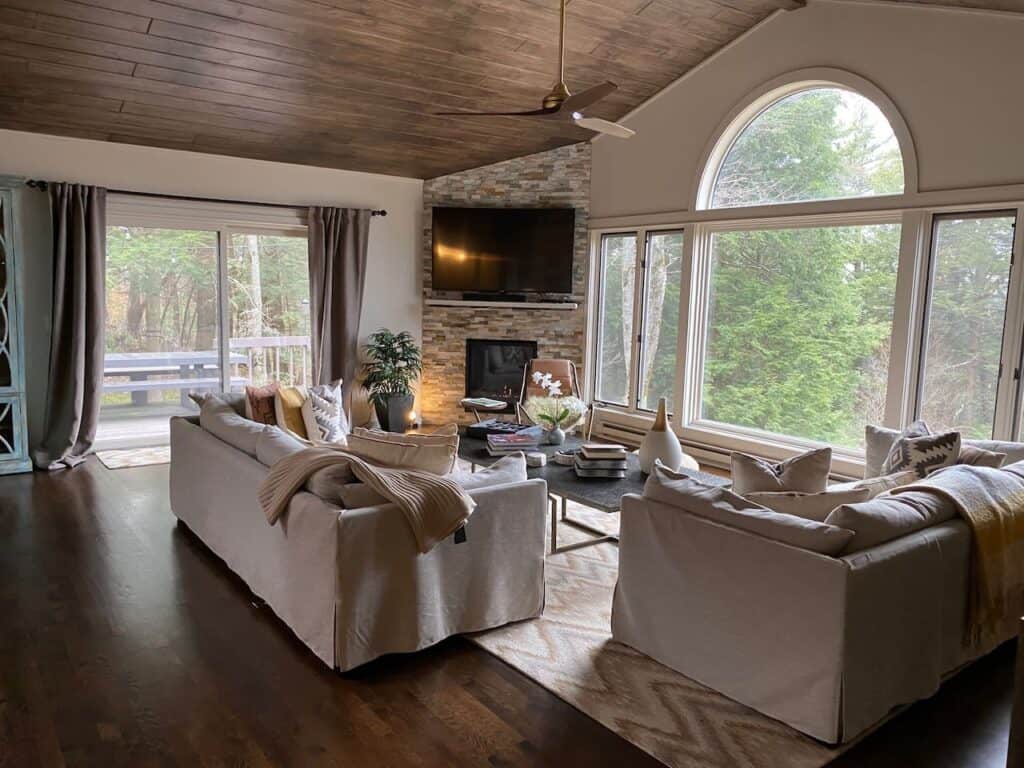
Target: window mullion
column 639, row 288
column 223, row 307
column 909, row 313
column 1007, row 415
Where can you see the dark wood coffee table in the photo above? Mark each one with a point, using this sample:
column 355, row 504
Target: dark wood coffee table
column 564, row 486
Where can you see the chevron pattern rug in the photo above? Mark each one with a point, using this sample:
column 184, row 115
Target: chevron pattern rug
column 570, row 652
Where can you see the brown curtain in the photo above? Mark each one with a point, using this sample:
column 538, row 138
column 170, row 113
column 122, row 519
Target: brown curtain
column 75, row 382
column 337, row 274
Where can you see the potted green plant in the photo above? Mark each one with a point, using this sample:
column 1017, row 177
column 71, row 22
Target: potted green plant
column 392, row 365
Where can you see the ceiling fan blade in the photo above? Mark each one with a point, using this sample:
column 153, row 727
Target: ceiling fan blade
column 598, row 125
column 578, row 101
column 528, row 113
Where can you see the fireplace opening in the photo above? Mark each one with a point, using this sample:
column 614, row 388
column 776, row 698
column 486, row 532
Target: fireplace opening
column 494, row 368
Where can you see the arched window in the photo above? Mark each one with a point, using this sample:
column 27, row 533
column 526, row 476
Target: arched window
column 803, row 143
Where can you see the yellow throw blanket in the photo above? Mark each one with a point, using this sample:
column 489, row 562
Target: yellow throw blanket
column 991, row 501
column 434, row 506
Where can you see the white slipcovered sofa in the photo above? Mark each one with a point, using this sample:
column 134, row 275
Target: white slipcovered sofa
column 350, row 583
column 827, row 642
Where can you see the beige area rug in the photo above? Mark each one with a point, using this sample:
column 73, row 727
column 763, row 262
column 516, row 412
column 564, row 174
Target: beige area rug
column 570, row 652
column 134, row 457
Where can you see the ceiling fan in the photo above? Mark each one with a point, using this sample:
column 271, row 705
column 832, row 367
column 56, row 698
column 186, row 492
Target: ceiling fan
column 560, row 104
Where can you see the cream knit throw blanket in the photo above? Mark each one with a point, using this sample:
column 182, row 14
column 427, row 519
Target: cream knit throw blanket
column 991, row 501
column 434, row 506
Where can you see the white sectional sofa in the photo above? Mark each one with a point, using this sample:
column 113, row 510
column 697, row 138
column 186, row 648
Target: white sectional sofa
column 827, row 642
column 350, row 583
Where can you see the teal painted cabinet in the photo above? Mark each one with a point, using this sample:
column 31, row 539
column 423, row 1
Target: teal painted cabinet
column 13, row 430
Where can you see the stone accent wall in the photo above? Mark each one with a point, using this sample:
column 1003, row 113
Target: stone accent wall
column 559, row 177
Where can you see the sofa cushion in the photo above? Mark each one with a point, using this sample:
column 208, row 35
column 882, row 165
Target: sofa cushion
column 429, row 453
column 273, row 444
column 260, row 403
column 507, row 469
column 222, row 421
column 923, row 454
column 979, row 457
column 235, row 399
column 323, row 414
column 327, row 483
column 806, row 473
column 810, row 506
column 723, row 506
column 888, row 517
column 877, row 485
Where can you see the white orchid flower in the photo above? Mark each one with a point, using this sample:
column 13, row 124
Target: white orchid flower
column 555, row 388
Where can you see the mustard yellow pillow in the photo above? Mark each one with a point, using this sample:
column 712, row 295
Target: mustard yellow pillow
column 288, row 408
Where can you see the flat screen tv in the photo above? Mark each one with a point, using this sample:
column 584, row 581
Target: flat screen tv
column 503, row 250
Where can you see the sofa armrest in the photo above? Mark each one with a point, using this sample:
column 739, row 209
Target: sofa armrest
column 755, row 619
column 392, row 598
column 906, row 611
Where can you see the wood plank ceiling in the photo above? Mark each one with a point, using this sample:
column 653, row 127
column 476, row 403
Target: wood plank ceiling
column 342, row 83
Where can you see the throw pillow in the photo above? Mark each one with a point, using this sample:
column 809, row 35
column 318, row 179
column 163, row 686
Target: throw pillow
column 428, row 453
column 877, row 485
column 807, row 473
column 288, row 409
column 323, row 414
column 878, row 441
column 979, row 457
column 809, row 506
column 235, row 399
column 220, row 420
column 259, row 403
column 923, row 454
column 722, row 506
column 890, row 516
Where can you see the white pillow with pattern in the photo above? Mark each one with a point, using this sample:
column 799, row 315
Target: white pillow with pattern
column 324, row 414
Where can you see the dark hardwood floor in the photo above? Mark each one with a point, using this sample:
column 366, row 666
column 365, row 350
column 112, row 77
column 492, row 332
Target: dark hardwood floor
column 124, row 642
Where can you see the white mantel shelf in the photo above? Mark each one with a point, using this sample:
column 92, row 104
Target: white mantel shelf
column 553, row 305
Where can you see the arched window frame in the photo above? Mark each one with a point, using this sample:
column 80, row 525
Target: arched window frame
column 769, row 94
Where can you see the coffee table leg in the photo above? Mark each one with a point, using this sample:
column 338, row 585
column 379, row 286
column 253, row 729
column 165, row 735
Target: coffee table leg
column 554, row 523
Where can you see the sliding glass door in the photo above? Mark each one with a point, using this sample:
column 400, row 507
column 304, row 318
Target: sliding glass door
column 268, row 287
column 197, row 310
column 162, row 338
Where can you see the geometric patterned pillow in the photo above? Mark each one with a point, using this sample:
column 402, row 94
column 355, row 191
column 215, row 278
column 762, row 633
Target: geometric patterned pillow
column 324, row 414
column 259, row 403
column 923, row 455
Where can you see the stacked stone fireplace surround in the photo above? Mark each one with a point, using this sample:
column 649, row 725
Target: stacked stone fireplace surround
column 557, row 178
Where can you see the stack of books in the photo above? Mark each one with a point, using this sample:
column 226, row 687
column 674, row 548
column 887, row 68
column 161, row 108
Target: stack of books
column 524, row 440
column 601, row 460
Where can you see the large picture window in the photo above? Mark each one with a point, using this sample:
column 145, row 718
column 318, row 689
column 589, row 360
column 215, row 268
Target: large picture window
column 789, row 309
column 798, row 329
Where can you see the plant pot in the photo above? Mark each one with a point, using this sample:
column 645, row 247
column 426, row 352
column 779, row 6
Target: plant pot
column 393, row 414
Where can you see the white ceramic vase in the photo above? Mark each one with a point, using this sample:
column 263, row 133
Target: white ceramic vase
column 660, row 443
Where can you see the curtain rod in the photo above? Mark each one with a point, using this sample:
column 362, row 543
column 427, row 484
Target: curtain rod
column 42, row 185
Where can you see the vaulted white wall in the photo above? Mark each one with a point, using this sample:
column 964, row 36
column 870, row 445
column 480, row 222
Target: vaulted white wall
column 956, row 77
